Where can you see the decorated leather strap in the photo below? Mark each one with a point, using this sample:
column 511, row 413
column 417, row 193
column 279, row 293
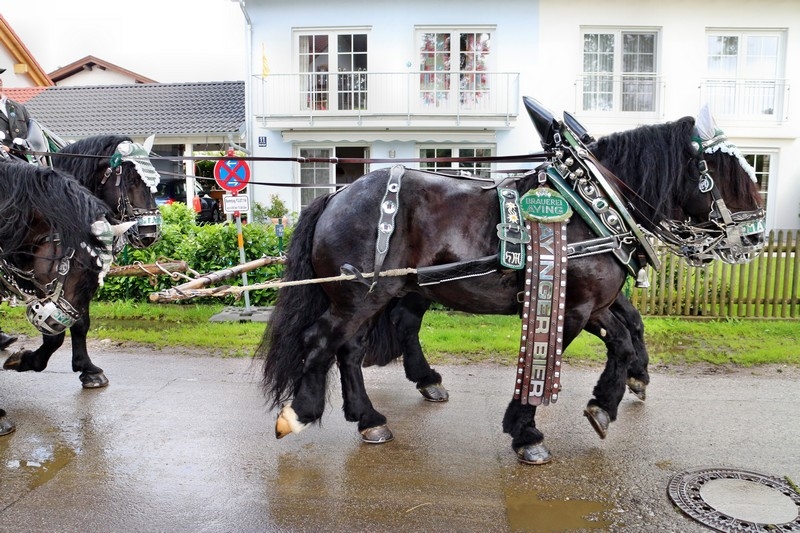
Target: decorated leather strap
column 389, row 206
column 538, row 379
column 511, row 230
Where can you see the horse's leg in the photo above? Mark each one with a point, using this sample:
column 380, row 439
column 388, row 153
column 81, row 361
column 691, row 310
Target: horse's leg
column 26, row 360
column 406, row 317
column 92, row 376
column 527, row 441
column 638, row 377
column 356, row 404
column 322, row 342
column 308, row 402
column 602, row 409
column 6, row 425
column 519, row 420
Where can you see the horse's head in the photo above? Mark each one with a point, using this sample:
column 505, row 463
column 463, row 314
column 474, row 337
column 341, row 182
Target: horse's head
column 119, row 172
column 721, row 199
column 55, row 245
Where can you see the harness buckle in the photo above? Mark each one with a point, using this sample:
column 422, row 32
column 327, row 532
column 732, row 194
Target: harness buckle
column 513, row 233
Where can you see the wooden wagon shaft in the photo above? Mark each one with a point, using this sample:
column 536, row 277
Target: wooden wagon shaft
column 158, row 268
column 177, row 293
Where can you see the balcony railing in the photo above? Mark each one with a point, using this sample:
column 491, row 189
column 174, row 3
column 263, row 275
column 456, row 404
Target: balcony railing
column 376, row 95
column 628, row 93
column 767, row 99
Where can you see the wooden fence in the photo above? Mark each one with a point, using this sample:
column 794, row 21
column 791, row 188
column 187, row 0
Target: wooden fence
column 768, row 287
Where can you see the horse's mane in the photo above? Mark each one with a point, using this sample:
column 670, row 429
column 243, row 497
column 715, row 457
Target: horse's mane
column 85, row 158
column 652, row 161
column 27, row 191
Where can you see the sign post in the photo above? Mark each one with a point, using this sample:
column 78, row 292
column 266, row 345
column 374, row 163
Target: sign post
column 232, row 175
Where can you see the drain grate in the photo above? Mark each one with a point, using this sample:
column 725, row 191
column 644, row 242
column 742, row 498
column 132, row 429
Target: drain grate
column 736, row 500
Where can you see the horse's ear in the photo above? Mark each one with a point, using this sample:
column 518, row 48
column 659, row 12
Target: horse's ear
column 148, row 143
column 704, row 125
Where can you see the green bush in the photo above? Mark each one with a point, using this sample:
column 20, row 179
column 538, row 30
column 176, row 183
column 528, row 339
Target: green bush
column 205, row 248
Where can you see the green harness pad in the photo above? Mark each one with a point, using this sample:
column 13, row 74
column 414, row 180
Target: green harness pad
column 511, row 230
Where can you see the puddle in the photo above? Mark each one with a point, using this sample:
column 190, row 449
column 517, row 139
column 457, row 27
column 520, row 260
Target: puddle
column 527, row 513
column 40, row 465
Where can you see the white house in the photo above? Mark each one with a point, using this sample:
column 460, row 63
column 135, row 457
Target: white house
column 420, row 79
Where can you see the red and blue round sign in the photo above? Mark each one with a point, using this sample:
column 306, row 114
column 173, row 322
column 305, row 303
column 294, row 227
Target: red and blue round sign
column 232, row 174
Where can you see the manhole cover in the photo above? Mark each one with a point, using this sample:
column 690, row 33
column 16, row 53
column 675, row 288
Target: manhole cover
column 736, row 500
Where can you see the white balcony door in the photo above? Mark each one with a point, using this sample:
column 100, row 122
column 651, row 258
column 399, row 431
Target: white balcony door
column 744, row 71
column 454, row 69
column 620, row 71
column 333, row 71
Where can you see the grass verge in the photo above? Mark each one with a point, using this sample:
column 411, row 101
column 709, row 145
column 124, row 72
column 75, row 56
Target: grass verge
column 446, row 337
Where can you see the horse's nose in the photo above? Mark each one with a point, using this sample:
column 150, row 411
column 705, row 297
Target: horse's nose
column 143, row 236
column 756, row 242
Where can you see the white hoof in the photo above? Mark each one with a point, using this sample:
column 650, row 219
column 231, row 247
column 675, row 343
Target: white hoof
column 287, row 422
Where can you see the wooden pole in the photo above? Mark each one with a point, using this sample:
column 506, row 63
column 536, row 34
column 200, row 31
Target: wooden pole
column 213, row 277
column 159, row 268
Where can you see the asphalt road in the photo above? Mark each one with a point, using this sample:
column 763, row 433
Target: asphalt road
column 181, row 442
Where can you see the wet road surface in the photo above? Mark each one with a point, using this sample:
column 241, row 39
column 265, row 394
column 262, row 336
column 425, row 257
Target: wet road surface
column 182, row 442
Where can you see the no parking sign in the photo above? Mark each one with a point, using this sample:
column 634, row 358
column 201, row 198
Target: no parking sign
column 232, row 174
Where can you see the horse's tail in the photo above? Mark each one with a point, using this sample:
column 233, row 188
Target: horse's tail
column 296, row 309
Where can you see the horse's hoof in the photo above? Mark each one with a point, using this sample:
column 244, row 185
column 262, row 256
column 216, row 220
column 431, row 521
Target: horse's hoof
column 638, row 388
column 599, row 419
column 534, row 454
column 377, row 435
column 6, row 425
column 6, row 340
column 93, row 381
column 282, row 427
column 287, row 423
column 434, row 392
column 13, row 361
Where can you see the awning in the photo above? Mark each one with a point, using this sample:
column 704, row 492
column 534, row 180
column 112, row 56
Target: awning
column 370, row 136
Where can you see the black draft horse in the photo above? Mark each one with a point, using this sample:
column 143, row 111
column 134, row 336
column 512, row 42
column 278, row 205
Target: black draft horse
column 396, row 332
column 118, row 172
column 55, row 244
column 442, row 220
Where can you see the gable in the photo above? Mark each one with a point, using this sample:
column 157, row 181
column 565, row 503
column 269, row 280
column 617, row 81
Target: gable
column 24, row 64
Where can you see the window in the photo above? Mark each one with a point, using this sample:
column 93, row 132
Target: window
column 760, row 162
column 337, row 76
column 620, row 71
column 324, row 177
column 454, row 67
column 482, row 169
column 315, row 173
column 744, row 71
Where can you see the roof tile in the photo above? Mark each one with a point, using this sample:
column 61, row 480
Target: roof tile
column 139, row 109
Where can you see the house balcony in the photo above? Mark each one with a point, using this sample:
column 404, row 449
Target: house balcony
column 407, row 100
column 764, row 100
